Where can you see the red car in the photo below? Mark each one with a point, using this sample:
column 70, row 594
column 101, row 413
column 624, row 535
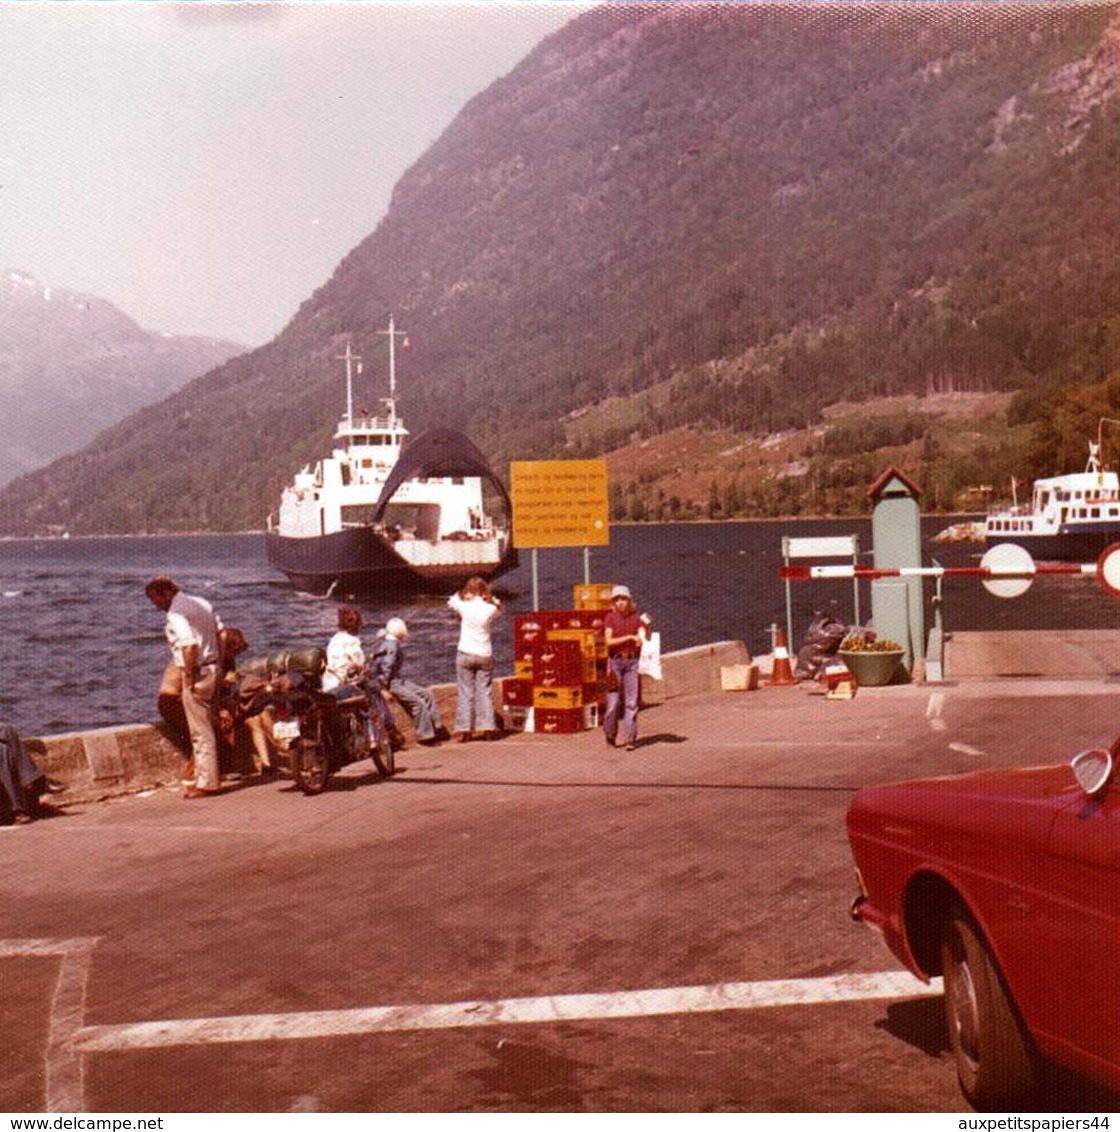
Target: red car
column 1006, row 883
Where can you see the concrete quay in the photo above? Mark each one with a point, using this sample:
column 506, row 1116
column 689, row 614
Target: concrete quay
column 112, row 761
column 107, row 762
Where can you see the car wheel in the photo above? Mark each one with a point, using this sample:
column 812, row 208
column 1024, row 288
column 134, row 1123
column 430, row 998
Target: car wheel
column 989, row 1045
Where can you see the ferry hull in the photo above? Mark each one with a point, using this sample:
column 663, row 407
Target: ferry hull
column 1082, row 545
column 360, row 562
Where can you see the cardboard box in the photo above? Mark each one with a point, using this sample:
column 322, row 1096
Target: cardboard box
column 738, row 677
column 518, row 719
column 592, row 595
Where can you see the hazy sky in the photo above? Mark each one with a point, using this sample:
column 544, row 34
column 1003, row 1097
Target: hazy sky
column 206, row 166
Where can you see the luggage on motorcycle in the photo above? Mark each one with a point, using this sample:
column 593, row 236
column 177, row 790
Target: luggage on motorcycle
column 347, row 696
column 310, row 660
column 252, row 693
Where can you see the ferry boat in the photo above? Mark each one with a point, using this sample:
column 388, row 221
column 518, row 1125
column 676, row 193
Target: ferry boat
column 385, row 514
column 1070, row 518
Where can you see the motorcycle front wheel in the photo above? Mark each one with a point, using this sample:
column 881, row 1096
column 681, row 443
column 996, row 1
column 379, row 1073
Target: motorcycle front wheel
column 357, row 743
column 310, row 764
column 381, row 749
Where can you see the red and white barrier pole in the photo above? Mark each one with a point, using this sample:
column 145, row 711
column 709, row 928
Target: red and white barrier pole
column 1006, row 570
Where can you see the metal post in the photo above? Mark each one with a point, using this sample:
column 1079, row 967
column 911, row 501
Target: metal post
column 855, row 581
column 789, row 607
column 536, row 582
column 935, row 654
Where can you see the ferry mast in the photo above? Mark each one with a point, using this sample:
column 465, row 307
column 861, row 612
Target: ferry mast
column 350, row 358
column 390, row 402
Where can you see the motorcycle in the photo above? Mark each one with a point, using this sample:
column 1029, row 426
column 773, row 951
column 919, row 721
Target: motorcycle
column 315, row 733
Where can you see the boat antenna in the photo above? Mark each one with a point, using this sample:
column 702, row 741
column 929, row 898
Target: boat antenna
column 350, row 358
column 1100, row 424
column 391, row 400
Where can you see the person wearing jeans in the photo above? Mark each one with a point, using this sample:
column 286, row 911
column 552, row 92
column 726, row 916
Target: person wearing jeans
column 624, row 629
column 20, row 779
column 387, row 675
column 474, row 660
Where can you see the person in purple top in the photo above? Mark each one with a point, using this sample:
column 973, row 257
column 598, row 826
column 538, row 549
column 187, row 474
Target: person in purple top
column 624, row 629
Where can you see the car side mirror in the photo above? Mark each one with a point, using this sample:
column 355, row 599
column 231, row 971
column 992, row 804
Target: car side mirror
column 1092, row 769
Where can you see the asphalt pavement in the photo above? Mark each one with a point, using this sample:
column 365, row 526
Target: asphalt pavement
column 536, row 924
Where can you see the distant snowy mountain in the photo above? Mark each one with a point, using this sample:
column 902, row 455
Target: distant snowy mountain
column 73, row 364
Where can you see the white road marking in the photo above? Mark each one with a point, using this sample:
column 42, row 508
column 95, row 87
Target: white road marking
column 64, row 1084
column 965, row 749
column 510, row 1011
column 68, row 1040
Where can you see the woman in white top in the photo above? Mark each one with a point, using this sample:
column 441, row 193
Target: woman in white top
column 474, row 662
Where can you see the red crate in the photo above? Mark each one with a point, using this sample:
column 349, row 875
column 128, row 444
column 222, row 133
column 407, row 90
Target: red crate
column 592, row 644
column 586, row 639
column 531, row 629
column 560, row 664
column 595, row 692
column 517, row 693
column 582, row 619
column 563, row 721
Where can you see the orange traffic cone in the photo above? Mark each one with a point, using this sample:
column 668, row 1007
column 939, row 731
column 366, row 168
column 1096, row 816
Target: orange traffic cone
column 781, row 675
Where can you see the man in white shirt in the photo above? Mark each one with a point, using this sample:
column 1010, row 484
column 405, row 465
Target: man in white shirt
column 192, row 630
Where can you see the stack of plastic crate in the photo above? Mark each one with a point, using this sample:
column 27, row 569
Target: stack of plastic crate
column 559, row 677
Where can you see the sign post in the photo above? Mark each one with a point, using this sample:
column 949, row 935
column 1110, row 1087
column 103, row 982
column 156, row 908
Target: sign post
column 559, row 503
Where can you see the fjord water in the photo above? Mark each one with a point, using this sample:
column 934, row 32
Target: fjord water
column 81, row 647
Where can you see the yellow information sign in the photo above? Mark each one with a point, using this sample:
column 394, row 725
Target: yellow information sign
column 560, row 503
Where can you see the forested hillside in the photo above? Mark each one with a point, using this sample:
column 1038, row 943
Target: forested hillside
column 699, row 225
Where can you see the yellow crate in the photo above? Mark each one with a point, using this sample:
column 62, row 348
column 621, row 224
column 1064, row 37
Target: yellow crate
column 557, row 697
column 592, row 595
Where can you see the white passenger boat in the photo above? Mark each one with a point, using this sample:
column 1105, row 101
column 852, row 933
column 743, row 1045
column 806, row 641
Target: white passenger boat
column 1069, row 518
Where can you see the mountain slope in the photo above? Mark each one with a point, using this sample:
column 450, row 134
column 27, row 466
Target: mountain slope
column 72, row 364
column 757, row 210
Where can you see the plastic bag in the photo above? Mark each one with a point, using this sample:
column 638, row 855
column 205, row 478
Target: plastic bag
column 822, row 640
column 649, row 661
